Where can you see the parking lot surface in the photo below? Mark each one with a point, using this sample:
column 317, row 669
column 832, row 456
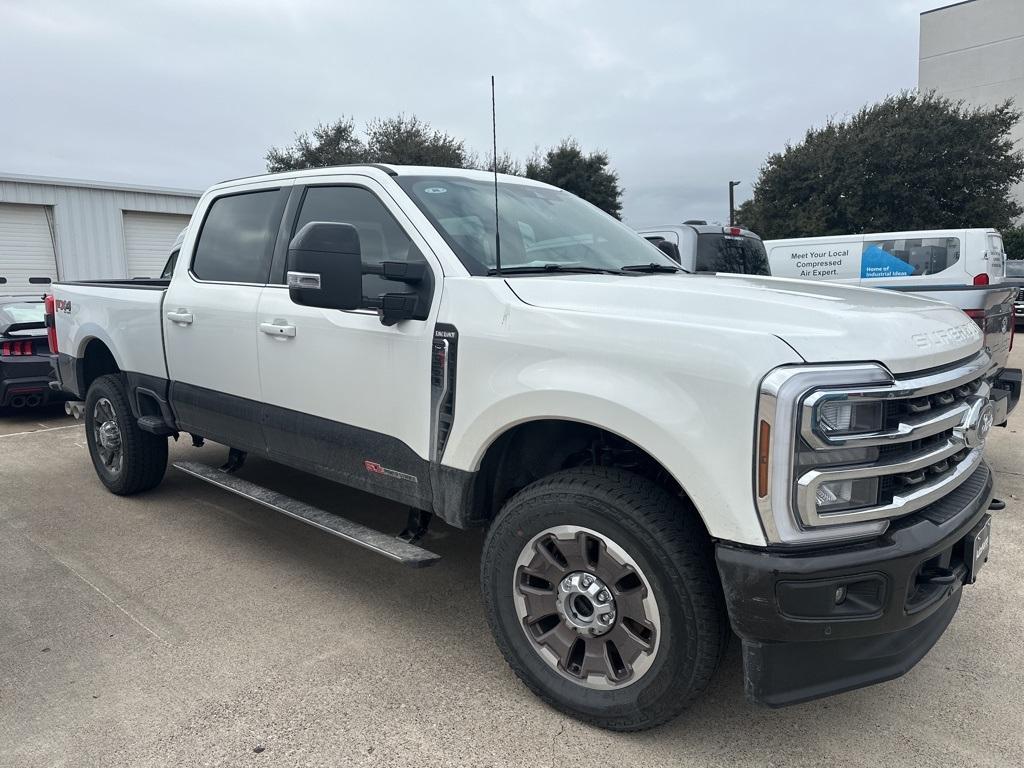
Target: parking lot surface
column 187, row 626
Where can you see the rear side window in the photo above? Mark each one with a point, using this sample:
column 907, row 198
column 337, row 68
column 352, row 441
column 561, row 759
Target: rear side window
column 169, row 266
column 914, row 257
column 236, row 242
column 725, row 253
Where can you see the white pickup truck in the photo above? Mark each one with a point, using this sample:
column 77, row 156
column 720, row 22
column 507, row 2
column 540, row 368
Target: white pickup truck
column 656, row 456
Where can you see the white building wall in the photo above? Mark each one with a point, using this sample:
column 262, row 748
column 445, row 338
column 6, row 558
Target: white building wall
column 88, row 219
column 975, row 51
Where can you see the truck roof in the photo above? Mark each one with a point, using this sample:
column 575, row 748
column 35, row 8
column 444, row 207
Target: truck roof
column 702, row 229
column 377, row 168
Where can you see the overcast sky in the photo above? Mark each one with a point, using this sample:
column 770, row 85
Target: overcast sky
column 683, row 95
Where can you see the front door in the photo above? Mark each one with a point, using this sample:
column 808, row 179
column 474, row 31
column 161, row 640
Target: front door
column 210, row 326
column 344, row 395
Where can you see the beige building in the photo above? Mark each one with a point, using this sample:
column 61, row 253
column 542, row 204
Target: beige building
column 974, row 51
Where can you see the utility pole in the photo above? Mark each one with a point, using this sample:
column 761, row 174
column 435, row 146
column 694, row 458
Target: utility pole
column 732, row 206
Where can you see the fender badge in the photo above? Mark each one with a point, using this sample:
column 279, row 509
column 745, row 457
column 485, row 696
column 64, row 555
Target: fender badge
column 377, row 469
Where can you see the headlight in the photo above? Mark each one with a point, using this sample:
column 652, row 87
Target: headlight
column 842, row 449
column 846, row 417
column 841, row 495
column 785, row 416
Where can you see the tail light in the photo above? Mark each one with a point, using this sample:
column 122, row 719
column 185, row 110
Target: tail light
column 735, row 231
column 51, row 324
column 977, row 315
column 981, row 279
column 16, row 348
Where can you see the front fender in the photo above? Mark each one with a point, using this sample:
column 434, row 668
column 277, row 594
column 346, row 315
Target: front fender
column 701, row 433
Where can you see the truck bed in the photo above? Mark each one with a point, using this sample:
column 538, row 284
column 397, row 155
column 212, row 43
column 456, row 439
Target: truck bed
column 125, row 315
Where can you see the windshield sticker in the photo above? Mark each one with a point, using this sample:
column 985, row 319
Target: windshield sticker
column 435, row 190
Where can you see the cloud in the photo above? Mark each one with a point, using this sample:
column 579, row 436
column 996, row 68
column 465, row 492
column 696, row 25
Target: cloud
column 682, row 95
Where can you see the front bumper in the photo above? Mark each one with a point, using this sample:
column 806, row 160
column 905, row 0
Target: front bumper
column 899, row 593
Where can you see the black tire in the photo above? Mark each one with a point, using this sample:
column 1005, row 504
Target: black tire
column 144, row 455
column 665, row 538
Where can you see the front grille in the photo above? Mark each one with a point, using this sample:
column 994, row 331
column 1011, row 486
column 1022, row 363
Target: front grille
column 898, row 410
column 919, row 454
column 1020, row 295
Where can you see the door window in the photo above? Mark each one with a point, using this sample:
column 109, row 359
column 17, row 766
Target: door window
column 237, row 240
column 381, row 238
column 912, row 257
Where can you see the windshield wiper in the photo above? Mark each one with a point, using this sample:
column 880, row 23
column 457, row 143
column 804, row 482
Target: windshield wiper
column 542, row 269
column 652, row 267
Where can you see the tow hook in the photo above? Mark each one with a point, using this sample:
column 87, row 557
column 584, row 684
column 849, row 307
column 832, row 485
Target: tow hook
column 75, row 408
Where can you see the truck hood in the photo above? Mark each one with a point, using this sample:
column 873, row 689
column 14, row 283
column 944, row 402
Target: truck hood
column 821, row 322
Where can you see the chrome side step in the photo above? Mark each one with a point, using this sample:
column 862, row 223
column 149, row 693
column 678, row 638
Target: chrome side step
column 390, row 547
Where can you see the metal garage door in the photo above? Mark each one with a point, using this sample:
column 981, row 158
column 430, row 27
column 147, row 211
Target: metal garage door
column 27, row 258
column 148, row 238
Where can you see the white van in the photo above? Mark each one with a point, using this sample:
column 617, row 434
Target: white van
column 939, row 258
column 963, row 267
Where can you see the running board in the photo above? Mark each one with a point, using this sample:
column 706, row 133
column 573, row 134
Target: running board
column 391, row 547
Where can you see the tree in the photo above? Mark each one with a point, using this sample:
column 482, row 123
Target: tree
column 912, row 161
column 506, row 164
column 402, row 140
column 411, row 141
column 1013, row 242
column 331, row 144
column 587, row 176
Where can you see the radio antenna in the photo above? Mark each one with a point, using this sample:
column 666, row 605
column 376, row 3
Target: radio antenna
column 494, row 165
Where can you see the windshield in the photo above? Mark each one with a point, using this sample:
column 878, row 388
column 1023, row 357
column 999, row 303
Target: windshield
column 21, row 312
column 1015, row 268
column 541, row 227
column 727, row 253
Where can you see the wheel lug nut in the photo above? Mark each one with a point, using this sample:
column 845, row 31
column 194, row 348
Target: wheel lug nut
column 588, row 580
column 603, row 596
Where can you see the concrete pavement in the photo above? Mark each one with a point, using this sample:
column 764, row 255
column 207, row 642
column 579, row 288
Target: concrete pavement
column 190, row 627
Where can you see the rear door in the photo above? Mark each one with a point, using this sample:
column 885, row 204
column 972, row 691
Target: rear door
column 344, row 394
column 210, row 310
column 995, row 257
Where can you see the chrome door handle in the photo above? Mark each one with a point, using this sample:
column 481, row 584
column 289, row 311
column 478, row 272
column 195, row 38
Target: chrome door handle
column 273, row 329
column 180, row 316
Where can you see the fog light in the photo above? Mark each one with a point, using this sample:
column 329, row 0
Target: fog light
column 837, row 495
column 840, row 594
column 841, row 417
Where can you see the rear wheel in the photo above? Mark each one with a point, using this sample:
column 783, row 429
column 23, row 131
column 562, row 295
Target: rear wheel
column 127, row 460
column 602, row 594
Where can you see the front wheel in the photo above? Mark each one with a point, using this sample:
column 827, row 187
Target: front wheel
column 602, row 594
column 127, row 460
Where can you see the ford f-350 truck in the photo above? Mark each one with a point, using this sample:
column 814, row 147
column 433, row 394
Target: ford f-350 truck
column 657, row 457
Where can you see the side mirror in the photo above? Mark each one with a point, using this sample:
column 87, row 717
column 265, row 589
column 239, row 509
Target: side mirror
column 325, row 266
column 325, row 269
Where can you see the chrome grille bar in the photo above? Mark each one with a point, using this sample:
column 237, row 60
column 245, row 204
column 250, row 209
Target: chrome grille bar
column 904, row 504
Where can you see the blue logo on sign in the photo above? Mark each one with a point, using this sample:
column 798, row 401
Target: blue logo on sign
column 878, row 262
